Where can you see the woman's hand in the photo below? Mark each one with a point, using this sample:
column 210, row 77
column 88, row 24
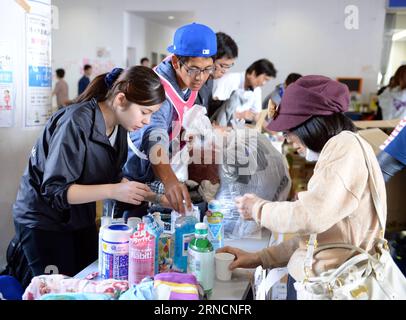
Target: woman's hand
column 245, row 205
column 243, row 259
column 130, row 192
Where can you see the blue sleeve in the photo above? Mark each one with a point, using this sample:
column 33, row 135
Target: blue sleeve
column 154, row 133
column 397, row 148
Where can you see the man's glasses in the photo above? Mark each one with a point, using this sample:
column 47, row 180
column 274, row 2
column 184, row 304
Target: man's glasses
column 225, row 66
column 194, row 72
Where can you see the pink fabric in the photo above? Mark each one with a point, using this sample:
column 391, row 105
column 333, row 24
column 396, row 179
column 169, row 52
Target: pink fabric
column 58, row 283
column 179, row 104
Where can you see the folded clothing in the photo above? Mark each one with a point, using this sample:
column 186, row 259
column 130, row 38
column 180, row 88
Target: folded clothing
column 183, row 286
column 76, row 296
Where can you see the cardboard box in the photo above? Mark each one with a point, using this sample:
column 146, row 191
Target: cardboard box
column 395, row 189
column 279, row 289
column 382, row 124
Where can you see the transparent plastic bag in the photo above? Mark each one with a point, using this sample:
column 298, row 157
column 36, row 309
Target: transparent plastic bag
column 250, row 165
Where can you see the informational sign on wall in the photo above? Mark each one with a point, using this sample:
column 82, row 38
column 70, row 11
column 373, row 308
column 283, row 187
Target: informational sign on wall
column 38, row 67
column 7, row 85
column 396, row 4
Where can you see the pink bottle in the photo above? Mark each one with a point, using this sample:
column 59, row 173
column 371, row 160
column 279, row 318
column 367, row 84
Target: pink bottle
column 141, row 262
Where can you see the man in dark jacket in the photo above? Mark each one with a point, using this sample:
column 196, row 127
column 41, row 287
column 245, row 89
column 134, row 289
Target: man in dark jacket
column 85, row 80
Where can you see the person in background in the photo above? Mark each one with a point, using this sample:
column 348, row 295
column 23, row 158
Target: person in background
column 338, row 204
column 183, row 74
column 378, row 115
column 247, row 85
column 392, row 158
column 76, row 161
column 61, row 90
column 272, row 101
column 85, row 80
column 277, row 94
column 227, row 53
column 145, row 62
column 393, row 99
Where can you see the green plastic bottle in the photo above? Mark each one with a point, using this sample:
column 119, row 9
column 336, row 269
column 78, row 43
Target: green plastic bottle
column 201, row 258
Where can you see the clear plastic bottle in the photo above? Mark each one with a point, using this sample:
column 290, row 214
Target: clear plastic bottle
column 184, row 228
column 201, row 258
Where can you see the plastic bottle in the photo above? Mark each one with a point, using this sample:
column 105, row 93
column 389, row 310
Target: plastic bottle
column 215, row 224
column 105, row 221
column 133, row 222
column 154, row 228
column 115, row 242
column 184, row 227
column 165, row 245
column 201, row 258
column 141, row 255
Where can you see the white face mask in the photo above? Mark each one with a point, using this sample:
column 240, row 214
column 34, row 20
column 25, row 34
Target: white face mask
column 312, row 156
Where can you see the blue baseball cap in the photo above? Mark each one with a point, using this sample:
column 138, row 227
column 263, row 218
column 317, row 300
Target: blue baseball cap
column 194, row 40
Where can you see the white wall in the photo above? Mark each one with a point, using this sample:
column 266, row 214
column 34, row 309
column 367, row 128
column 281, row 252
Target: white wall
column 397, row 57
column 146, row 36
column 85, row 26
column 158, row 38
column 134, row 34
column 15, row 143
column 302, row 36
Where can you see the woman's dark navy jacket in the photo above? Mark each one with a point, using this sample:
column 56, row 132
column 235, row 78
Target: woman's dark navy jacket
column 72, row 149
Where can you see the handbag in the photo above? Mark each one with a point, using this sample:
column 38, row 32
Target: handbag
column 365, row 276
column 17, row 264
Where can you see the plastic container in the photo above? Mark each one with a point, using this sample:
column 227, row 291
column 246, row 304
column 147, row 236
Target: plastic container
column 215, row 224
column 183, row 231
column 165, row 252
column 133, row 222
column 154, row 226
column 115, row 245
column 141, row 255
column 201, row 258
column 104, row 222
column 222, row 262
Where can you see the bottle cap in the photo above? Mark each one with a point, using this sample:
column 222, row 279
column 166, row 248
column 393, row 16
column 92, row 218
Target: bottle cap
column 201, row 228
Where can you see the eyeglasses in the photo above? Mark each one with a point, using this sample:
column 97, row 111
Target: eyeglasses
column 225, row 66
column 194, row 72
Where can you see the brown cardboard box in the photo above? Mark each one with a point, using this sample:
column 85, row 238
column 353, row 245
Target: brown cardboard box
column 382, row 124
column 395, row 189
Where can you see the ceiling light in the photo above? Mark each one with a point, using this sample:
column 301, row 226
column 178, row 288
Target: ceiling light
column 171, row 17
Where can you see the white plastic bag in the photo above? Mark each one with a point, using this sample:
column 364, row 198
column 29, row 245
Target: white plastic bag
column 196, row 125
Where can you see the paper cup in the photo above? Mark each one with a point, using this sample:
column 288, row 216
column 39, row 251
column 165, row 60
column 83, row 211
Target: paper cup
column 223, row 260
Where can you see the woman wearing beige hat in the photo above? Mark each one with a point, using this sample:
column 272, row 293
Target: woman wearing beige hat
column 337, row 205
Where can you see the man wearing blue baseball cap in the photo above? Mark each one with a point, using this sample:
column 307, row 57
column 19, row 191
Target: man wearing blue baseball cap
column 183, row 74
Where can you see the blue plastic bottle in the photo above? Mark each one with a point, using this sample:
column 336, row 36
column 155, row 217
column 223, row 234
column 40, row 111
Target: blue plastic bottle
column 184, row 231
